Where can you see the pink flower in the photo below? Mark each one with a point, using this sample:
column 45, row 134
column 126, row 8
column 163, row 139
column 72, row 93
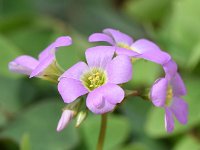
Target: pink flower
column 46, row 63
column 99, row 78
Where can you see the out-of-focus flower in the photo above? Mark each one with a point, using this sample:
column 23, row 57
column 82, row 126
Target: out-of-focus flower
column 166, row 93
column 66, row 117
column 125, row 45
column 46, row 65
column 99, row 78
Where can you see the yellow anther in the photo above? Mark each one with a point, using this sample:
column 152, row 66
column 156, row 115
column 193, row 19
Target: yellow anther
column 91, row 85
column 97, row 73
column 97, row 78
column 90, row 78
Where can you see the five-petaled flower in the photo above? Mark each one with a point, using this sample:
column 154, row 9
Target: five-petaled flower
column 99, row 78
column 125, row 45
column 166, row 93
column 46, row 65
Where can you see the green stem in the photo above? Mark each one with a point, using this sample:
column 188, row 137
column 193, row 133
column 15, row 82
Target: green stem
column 102, row 132
column 131, row 93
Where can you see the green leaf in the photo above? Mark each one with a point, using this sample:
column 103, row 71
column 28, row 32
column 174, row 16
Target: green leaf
column 181, row 31
column 2, row 119
column 147, row 11
column 136, row 109
column 39, row 122
column 195, row 57
column 135, row 146
column 155, row 123
column 25, row 142
column 117, row 131
column 186, row 143
column 145, row 75
column 9, row 98
column 8, row 52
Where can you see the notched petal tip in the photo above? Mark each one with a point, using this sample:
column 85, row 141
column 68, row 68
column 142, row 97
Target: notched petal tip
column 98, row 37
column 63, row 41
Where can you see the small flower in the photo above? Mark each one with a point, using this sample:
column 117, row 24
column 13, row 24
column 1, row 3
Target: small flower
column 99, row 78
column 66, row 117
column 46, row 64
column 125, row 45
column 166, row 93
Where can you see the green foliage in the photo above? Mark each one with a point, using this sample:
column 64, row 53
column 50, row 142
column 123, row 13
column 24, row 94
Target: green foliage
column 8, row 52
column 118, row 129
column 147, row 11
column 36, row 127
column 186, row 143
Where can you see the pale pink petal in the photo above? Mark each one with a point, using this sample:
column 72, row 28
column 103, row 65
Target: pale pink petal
column 23, row 64
column 75, row 71
column 71, row 89
column 119, row 70
column 159, row 91
column 178, row 86
column 99, row 56
column 118, row 36
column 104, row 98
column 169, row 121
column 180, row 109
column 101, row 37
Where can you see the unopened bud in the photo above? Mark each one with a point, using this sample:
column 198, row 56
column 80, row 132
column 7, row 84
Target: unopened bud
column 80, row 118
column 66, row 117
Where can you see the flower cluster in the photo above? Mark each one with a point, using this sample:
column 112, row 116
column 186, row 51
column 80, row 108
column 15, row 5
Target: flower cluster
column 101, row 78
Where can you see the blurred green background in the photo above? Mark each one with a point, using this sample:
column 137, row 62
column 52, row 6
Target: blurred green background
column 30, row 108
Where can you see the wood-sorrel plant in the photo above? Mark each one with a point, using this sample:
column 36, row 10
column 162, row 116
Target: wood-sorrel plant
column 98, row 85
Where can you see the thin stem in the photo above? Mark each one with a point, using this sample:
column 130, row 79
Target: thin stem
column 102, row 132
column 131, row 93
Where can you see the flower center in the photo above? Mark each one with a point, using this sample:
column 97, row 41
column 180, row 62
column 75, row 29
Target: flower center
column 169, row 96
column 94, row 78
column 123, row 45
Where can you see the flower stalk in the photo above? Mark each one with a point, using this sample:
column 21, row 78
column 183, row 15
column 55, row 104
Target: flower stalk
column 102, row 132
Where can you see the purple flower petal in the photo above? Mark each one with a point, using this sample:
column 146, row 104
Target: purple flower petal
column 119, row 70
column 159, row 91
column 44, row 64
column 170, row 69
column 178, row 86
column 150, row 51
column 180, row 109
column 66, row 117
column 118, row 36
column 75, row 71
column 104, row 98
column 71, row 89
column 23, row 64
column 127, row 52
column 99, row 56
column 169, row 121
column 51, row 49
column 97, row 37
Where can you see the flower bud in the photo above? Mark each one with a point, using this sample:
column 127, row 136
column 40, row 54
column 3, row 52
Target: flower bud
column 66, row 117
column 80, row 118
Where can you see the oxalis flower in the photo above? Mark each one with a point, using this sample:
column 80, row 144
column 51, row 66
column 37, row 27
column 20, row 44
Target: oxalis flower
column 125, row 45
column 166, row 93
column 99, row 78
column 46, row 66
